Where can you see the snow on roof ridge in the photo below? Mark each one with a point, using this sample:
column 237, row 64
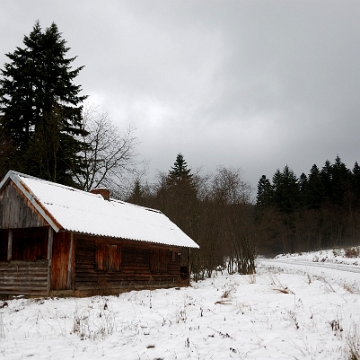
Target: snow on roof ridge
column 136, row 205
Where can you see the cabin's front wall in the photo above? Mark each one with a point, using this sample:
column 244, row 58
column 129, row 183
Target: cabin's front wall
column 16, row 211
column 24, row 262
column 105, row 265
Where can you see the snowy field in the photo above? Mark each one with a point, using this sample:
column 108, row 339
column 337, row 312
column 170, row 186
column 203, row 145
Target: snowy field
column 286, row 311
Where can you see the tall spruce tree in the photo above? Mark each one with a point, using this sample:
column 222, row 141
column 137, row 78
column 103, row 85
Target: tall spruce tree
column 179, row 173
column 356, row 184
column 341, row 180
column 264, row 195
column 286, row 190
column 40, row 107
column 315, row 192
column 177, row 196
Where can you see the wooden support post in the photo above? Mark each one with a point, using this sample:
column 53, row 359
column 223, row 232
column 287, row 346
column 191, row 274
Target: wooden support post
column 50, row 243
column 189, row 265
column 49, row 256
column 10, row 243
column 70, row 263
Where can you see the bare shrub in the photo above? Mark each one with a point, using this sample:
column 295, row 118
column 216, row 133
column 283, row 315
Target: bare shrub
column 353, row 343
column 335, row 326
column 352, row 252
column 94, row 323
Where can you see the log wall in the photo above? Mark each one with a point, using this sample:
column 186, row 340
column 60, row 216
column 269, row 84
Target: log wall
column 134, row 270
column 24, row 277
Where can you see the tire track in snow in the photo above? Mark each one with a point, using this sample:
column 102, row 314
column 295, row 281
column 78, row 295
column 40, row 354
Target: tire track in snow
column 320, row 265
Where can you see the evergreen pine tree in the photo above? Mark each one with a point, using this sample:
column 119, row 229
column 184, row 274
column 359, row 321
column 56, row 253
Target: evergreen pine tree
column 41, row 107
column 326, row 179
column 355, row 185
column 341, row 179
column 179, row 172
column 286, row 190
column 264, row 196
column 137, row 194
column 303, row 186
column 178, row 198
column 315, row 194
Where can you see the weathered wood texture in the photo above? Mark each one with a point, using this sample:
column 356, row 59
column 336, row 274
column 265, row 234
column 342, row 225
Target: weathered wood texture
column 30, row 244
column 132, row 265
column 16, row 211
column 24, row 277
column 3, row 244
column 60, row 261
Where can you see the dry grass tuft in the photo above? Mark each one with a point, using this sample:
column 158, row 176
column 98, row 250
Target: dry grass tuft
column 284, row 290
column 226, row 294
column 278, row 286
column 352, row 252
column 348, row 287
column 353, row 343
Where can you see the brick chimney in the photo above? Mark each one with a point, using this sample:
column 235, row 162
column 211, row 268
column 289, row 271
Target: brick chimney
column 105, row 193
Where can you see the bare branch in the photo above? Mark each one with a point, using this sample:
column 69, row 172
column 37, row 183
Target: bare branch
column 111, row 152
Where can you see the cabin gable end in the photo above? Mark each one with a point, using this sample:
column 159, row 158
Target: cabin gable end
column 16, row 211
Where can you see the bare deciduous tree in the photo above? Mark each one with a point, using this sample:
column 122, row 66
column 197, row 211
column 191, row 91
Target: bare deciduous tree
column 110, row 154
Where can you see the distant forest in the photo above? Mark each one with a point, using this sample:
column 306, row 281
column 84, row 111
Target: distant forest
column 315, row 211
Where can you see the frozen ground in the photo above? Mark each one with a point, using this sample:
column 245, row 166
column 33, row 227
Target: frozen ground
column 286, row 311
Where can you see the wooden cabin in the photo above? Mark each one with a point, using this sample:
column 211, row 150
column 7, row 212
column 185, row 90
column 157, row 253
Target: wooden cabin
column 57, row 240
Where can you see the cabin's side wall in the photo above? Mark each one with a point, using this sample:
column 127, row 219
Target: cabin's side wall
column 104, row 264
column 16, row 211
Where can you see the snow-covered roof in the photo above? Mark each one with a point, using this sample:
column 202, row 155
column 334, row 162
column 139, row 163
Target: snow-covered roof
column 69, row 209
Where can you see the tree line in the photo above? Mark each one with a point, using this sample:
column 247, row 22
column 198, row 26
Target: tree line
column 314, row 211
column 214, row 210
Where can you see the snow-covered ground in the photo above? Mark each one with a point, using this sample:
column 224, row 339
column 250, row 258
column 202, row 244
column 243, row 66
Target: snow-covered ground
column 285, row 311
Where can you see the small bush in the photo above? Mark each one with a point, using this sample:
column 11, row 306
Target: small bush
column 352, row 252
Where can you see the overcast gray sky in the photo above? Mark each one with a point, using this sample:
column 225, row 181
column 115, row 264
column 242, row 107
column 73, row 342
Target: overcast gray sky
column 255, row 85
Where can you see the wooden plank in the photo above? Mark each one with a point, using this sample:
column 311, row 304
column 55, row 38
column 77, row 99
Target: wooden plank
column 18, row 212
column 49, row 255
column 10, row 242
column 70, row 263
column 23, row 277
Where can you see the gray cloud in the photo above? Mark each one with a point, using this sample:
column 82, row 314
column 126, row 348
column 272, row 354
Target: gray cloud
column 250, row 84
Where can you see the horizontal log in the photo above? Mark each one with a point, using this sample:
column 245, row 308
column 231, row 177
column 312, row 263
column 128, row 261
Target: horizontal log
column 41, row 292
column 28, row 280
column 130, row 286
column 22, row 287
column 27, row 264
